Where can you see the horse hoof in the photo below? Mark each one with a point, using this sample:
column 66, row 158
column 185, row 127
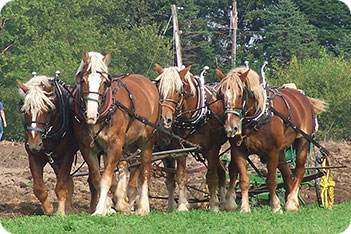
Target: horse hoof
column 182, row 207
column 142, row 212
column 291, row 208
column 277, row 210
column 245, row 210
column 214, row 209
column 111, row 211
column 230, row 206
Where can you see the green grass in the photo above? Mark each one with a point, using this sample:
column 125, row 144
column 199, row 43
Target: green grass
column 311, row 219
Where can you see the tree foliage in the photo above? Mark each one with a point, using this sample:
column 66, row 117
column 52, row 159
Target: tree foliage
column 288, row 34
column 326, row 78
column 46, row 36
column 50, row 35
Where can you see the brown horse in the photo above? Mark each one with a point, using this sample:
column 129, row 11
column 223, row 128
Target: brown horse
column 49, row 138
column 253, row 130
column 193, row 112
column 115, row 115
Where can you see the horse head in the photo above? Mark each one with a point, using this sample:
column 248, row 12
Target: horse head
column 38, row 107
column 93, row 83
column 175, row 86
column 238, row 98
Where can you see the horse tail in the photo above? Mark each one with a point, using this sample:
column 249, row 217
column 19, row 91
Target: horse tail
column 318, row 105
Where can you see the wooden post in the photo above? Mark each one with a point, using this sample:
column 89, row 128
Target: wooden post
column 234, row 27
column 178, row 47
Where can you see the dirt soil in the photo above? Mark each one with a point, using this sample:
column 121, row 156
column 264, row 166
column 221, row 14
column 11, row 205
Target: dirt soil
column 17, row 198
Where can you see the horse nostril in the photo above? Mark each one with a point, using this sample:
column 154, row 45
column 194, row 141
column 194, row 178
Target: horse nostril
column 169, row 120
column 235, row 129
column 40, row 144
column 27, row 145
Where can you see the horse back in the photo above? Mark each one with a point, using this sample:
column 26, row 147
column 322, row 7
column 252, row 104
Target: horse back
column 296, row 107
column 139, row 92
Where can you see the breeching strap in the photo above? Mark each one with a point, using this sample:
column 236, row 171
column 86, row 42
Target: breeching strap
column 323, row 150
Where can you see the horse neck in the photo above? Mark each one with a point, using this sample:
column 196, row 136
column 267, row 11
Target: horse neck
column 190, row 107
column 252, row 107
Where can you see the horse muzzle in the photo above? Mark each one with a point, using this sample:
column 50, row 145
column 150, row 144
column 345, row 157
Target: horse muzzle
column 34, row 148
column 234, row 130
column 167, row 122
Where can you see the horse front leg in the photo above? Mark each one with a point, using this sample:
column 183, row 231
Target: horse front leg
column 271, row 182
column 244, row 181
column 64, row 186
column 94, row 176
column 39, row 188
column 230, row 204
column 105, row 203
column 292, row 203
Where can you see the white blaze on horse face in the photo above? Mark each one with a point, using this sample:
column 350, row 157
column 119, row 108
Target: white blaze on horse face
column 232, row 125
column 92, row 106
column 34, row 114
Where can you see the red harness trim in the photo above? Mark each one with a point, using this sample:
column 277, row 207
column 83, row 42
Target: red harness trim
column 109, row 103
column 102, row 113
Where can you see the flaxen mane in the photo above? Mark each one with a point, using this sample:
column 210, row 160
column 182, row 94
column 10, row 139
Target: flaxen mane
column 96, row 64
column 170, row 82
column 233, row 82
column 253, row 84
column 36, row 99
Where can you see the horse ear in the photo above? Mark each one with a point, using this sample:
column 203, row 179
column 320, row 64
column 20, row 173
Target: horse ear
column 22, row 86
column 107, row 59
column 244, row 75
column 158, row 68
column 183, row 72
column 85, row 56
column 220, row 74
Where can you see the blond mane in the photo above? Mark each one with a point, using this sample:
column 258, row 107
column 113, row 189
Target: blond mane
column 96, row 64
column 170, row 82
column 252, row 82
column 36, row 99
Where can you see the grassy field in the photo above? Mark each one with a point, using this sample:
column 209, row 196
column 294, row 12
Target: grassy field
column 311, row 219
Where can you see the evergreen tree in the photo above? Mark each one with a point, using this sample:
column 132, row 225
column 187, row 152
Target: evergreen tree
column 288, row 34
column 332, row 21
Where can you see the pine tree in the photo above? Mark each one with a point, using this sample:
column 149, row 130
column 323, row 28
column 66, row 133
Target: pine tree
column 288, row 34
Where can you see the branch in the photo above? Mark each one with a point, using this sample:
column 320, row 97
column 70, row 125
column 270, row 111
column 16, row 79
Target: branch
column 7, row 48
column 2, row 24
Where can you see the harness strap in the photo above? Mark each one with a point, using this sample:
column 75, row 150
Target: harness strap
column 323, row 150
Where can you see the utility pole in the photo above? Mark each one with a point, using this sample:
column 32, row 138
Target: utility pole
column 178, row 48
column 234, row 27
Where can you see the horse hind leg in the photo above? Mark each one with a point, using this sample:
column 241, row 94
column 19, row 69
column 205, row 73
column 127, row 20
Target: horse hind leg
column 212, row 177
column 170, row 183
column 301, row 145
column 132, row 191
column 230, row 204
column 144, row 178
column 182, row 179
column 120, row 192
column 285, row 170
column 221, row 170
